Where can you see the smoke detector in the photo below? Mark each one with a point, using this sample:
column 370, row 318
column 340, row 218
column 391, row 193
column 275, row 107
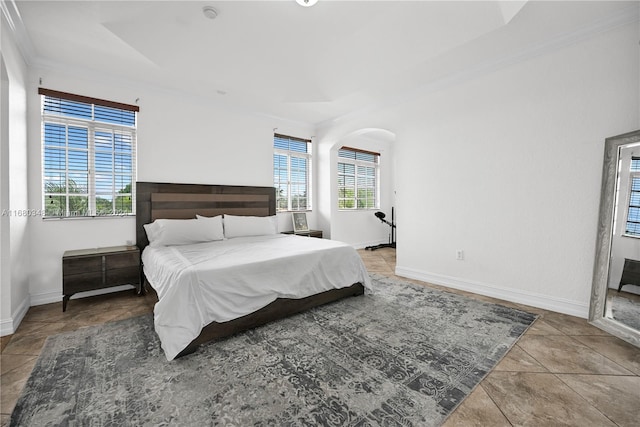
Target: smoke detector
column 306, row 3
column 210, row 12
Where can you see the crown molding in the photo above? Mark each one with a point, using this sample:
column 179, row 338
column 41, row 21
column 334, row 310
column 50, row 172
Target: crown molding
column 621, row 18
column 16, row 26
column 39, row 66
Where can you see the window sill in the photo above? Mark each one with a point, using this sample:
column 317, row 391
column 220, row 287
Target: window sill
column 84, row 218
column 630, row 235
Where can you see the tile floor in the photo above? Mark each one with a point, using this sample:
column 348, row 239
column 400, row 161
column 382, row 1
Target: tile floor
column 561, row 372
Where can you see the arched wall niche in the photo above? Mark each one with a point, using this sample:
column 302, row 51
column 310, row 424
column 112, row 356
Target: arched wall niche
column 359, row 228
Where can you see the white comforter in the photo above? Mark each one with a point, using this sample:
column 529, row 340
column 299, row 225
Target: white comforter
column 223, row 280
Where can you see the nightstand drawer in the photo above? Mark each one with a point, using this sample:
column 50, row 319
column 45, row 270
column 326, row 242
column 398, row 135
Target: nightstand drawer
column 631, row 266
column 124, row 276
column 130, row 259
column 81, row 265
column 631, row 272
column 81, row 282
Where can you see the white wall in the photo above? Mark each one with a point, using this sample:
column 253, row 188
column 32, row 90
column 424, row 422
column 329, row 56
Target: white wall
column 507, row 165
column 512, row 173
column 14, row 234
column 5, row 253
column 180, row 139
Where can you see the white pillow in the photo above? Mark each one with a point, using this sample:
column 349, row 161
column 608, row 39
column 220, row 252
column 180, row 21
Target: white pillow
column 153, row 231
column 215, row 222
column 166, row 232
column 239, row 226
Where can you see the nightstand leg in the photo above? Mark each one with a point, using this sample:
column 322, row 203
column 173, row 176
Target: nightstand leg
column 65, row 298
column 141, row 282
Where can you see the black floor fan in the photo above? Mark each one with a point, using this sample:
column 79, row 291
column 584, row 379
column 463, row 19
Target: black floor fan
column 392, row 237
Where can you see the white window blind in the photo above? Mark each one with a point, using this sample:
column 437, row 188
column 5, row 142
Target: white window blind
column 633, row 213
column 357, row 179
column 292, row 173
column 88, row 156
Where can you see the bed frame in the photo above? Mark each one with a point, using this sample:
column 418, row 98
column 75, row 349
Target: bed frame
column 183, row 201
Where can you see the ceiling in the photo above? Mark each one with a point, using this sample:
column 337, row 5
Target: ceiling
column 311, row 65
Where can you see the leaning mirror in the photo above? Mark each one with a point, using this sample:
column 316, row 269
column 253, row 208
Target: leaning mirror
column 615, row 296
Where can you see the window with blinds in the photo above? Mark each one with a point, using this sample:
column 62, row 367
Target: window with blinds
column 292, row 173
column 633, row 214
column 88, row 156
column 357, row 179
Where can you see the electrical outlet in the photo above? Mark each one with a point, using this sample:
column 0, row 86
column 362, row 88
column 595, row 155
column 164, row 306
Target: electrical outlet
column 460, row 255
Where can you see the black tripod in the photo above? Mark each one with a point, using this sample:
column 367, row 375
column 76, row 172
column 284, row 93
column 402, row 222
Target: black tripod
column 392, row 238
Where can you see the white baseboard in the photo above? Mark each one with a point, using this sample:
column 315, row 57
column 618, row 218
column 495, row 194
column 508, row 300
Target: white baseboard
column 6, row 327
column 51, row 297
column 559, row 305
column 9, row 326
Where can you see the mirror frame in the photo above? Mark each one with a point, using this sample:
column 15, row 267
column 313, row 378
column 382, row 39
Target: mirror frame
column 604, row 238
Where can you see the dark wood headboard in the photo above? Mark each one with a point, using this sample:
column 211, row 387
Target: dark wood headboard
column 183, row 201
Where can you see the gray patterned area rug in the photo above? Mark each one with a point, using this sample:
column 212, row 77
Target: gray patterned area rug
column 402, row 355
column 626, row 311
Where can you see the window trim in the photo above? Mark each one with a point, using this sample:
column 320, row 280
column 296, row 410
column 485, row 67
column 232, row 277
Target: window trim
column 288, row 153
column 92, row 126
column 87, row 100
column 359, row 163
column 631, row 175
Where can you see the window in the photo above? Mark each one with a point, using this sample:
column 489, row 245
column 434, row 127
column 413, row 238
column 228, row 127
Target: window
column 88, row 156
column 357, row 179
column 292, row 173
column 633, row 215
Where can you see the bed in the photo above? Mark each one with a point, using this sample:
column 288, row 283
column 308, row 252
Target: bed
column 212, row 289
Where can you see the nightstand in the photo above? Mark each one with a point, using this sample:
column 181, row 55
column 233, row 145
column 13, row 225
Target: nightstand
column 630, row 273
column 310, row 233
column 98, row 268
